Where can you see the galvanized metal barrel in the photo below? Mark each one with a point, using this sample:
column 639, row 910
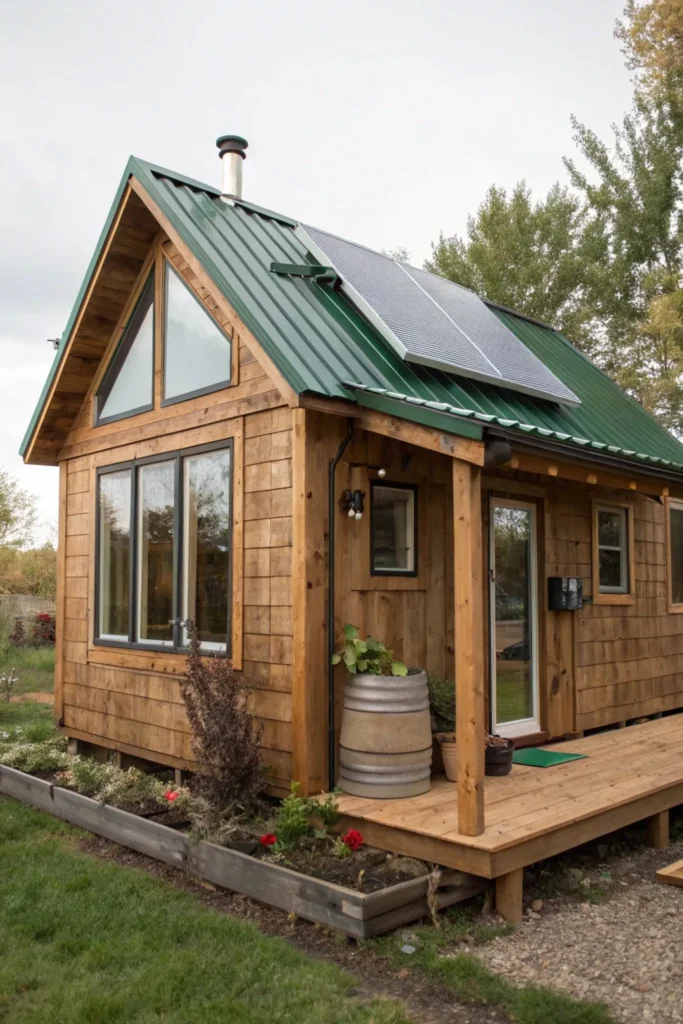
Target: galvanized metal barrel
column 386, row 736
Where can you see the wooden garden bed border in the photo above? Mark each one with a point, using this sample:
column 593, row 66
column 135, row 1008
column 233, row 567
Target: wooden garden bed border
column 358, row 915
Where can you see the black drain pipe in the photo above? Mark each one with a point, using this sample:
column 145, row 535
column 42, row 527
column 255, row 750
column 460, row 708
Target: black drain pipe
column 332, row 502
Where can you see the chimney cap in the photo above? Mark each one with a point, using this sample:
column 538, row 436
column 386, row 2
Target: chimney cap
column 231, row 144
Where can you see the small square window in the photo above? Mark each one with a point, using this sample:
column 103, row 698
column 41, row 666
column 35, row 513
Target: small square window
column 393, row 530
column 613, row 544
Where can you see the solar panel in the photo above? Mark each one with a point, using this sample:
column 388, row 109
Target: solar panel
column 432, row 321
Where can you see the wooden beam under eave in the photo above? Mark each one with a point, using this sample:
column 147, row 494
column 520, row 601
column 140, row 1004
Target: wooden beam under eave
column 470, row 722
column 309, row 658
column 592, row 475
column 453, row 445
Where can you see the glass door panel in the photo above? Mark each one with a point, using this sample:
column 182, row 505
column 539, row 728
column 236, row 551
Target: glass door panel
column 514, row 661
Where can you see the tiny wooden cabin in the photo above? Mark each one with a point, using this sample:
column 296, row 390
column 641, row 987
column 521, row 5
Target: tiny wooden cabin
column 231, row 383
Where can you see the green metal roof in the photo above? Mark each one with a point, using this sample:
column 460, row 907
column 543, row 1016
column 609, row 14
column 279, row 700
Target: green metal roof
column 322, row 345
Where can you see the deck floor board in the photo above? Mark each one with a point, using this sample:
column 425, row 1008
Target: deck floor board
column 639, row 765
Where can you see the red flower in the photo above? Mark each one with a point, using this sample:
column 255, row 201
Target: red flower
column 268, row 840
column 353, row 839
column 172, row 795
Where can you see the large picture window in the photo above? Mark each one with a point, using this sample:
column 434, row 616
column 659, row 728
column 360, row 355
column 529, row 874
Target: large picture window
column 164, row 546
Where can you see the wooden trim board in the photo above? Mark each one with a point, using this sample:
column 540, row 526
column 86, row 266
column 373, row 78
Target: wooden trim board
column 671, row 875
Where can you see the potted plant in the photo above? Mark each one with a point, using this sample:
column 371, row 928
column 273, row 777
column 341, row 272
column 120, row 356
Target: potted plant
column 442, row 714
column 499, row 753
column 386, row 737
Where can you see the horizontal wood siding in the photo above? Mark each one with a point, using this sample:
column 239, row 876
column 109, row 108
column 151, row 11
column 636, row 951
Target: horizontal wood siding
column 412, row 615
column 128, row 699
column 606, row 663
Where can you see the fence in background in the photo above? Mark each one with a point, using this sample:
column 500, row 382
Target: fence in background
column 20, row 605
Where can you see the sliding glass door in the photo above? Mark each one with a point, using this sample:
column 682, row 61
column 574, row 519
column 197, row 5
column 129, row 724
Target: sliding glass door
column 514, row 618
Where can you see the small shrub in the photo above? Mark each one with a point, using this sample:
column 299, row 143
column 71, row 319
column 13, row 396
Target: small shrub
column 46, row 757
column 226, row 737
column 442, row 704
column 292, row 819
column 327, row 810
column 87, row 776
column 17, row 637
column 43, row 630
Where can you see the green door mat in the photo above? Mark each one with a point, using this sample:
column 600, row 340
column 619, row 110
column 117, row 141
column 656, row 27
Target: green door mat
column 536, row 758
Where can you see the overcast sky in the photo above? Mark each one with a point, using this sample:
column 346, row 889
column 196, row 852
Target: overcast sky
column 382, row 121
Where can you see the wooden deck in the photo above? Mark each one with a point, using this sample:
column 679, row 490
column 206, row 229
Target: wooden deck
column 629, row 775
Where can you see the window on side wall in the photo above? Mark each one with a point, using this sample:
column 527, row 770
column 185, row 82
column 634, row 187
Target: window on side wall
column 612, row 553
column 674, row 535
column 163, row 550
column 393, row 529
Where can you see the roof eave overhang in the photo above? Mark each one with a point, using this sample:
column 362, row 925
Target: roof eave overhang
column 585, row 456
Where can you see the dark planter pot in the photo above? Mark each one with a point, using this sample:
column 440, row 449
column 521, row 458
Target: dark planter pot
column 499, row 759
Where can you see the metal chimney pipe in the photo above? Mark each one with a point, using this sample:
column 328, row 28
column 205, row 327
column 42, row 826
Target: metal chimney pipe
column 231, row 150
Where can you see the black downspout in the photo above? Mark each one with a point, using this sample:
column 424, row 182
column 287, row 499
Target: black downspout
column 332, row 502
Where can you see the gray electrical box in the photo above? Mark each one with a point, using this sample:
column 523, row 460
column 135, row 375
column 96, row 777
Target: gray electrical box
column 565, row 593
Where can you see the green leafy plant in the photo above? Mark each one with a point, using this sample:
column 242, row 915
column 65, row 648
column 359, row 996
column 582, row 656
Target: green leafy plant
column 327, row 810
column 87, row 776
column 292, row 820
column 340, row 849
column 442, row 704
column 368, row 656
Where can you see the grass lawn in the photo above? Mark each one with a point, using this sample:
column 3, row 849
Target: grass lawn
column 35, row 667
column 88, row 942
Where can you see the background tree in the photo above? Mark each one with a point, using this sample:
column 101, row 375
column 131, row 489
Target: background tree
column 530, row 256
column 18, row 512
column 652, row 34
column 632, row 194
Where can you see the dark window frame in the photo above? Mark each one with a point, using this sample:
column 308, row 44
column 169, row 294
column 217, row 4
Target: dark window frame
column 168, row 268
column 401, row 486
column 176, row 456
column 672, row 505
column 140, row 310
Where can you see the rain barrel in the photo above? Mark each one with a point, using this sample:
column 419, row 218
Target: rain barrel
column 386, row 736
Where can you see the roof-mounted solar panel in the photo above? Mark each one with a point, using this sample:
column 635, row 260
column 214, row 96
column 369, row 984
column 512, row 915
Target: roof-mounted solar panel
column 432, row 321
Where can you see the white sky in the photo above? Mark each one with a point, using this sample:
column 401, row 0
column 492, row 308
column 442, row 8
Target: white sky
column 382, row 120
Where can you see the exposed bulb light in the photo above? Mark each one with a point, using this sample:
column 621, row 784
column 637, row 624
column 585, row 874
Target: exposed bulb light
column 358, row 515
column 381, row 472
column 351, row 513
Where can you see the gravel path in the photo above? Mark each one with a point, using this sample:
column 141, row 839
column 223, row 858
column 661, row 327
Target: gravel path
column 626, row 952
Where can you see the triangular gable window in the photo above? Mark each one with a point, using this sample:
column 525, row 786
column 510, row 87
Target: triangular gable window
column 128, row 384
column 197, row 354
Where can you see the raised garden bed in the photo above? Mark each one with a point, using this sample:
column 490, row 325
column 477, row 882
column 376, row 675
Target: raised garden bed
column 360, row 915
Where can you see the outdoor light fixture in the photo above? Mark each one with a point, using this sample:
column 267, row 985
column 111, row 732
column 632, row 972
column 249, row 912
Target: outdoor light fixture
column 352, row 503
column 381, row 472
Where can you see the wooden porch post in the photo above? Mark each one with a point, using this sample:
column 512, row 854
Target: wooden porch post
column 469, row 656
column 309, row 659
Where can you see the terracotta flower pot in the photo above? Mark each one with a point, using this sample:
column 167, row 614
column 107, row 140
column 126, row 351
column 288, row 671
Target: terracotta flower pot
column 447, row 745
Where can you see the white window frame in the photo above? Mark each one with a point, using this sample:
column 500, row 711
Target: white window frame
column 523, row 726
column 623, row 548
column 677, row 505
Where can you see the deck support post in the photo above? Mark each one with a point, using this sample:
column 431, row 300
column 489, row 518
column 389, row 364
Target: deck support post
column 657, row 831
column 509, row 891
column 469, row 656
